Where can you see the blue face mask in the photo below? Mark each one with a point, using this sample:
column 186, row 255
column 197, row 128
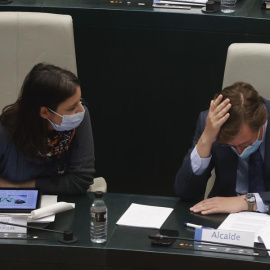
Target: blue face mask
column 249, row 149
column 68, row 121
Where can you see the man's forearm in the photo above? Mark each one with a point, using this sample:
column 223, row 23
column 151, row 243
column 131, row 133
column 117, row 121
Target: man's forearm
column 204, row 147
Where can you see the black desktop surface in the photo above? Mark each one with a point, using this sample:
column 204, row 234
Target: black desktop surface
column 127, row 247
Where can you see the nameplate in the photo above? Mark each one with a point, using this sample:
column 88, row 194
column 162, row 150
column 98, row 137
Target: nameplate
column 226, row 237
column 4, row 228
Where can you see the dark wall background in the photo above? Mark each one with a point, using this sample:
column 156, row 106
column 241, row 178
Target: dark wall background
column 146, row 75
column 145, row 88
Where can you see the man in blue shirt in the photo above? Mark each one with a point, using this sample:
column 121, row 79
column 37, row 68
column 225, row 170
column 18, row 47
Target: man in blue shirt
column 233, row 138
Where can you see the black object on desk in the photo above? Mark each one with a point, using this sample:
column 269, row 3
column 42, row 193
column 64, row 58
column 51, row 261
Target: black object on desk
column 68, row 237
column 165, row 241
column 210, row 7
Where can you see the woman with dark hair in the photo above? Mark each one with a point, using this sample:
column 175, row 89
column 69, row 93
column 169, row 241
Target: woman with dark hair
column 46, row 136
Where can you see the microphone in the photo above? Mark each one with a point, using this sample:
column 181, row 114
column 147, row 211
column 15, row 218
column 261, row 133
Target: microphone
column 161, row 236
column 67, row 238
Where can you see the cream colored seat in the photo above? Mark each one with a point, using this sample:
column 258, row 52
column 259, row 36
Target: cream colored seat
column 246, row 62
column 98, row 185
column 28, row 38
column 249, row 62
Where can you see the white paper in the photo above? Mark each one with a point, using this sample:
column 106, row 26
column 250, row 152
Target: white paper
column 51, row 210
column 191, row 1
column 48, row 214
column 181, row 2
column 144, row 216
column 46, row 200
column 248, row 222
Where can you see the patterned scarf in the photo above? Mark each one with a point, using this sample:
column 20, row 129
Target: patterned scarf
column 58, row 145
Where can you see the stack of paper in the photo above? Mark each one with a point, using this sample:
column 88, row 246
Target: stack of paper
column 250, row 222
column 160, row 3
column 144, row 216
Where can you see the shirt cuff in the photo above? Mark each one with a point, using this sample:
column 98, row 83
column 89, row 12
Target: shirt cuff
column 261, row 207
column 198, row 164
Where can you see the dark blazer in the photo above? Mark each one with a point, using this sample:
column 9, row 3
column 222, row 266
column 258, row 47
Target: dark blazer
column 189, row 186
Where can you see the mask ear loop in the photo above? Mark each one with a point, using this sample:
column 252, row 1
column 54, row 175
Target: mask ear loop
column 55, row 112
column 52, row 122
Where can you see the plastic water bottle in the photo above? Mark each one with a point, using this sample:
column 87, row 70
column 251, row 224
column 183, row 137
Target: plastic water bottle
column 99, row 219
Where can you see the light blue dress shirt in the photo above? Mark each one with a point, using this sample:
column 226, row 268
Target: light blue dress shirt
column 199, row 165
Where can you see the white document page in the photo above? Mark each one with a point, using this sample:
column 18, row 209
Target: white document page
column 145, row 216
column 51, row 210
column 248, row 222
column 46, row 213
column 45, row 201
column 182, row 2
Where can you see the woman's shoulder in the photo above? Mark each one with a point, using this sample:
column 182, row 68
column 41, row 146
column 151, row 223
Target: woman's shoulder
column 85, row 128
column 86, row 109
column 86, row 119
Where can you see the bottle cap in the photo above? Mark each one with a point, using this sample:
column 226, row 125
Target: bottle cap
column 99, row 194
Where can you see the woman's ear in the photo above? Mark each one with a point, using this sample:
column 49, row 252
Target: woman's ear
column 44, row 112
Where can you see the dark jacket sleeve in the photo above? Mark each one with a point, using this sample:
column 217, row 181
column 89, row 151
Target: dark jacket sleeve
column 79, row 175
column 189, row 186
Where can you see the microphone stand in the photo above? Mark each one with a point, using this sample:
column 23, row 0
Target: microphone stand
column 68, row 237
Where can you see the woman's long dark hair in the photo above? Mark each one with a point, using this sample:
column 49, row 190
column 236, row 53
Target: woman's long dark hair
column 45, row 85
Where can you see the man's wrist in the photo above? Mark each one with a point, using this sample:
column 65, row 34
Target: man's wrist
column 204, row 146
column 251, row 201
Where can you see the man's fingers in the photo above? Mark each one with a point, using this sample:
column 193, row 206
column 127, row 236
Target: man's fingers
column 219, row 117
column 217, row 113
column 202, row 206
column 223, row 105
column 224, row 119
column 210, row 211
column 217, row 101
column 225, row 109
column 205, row 209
